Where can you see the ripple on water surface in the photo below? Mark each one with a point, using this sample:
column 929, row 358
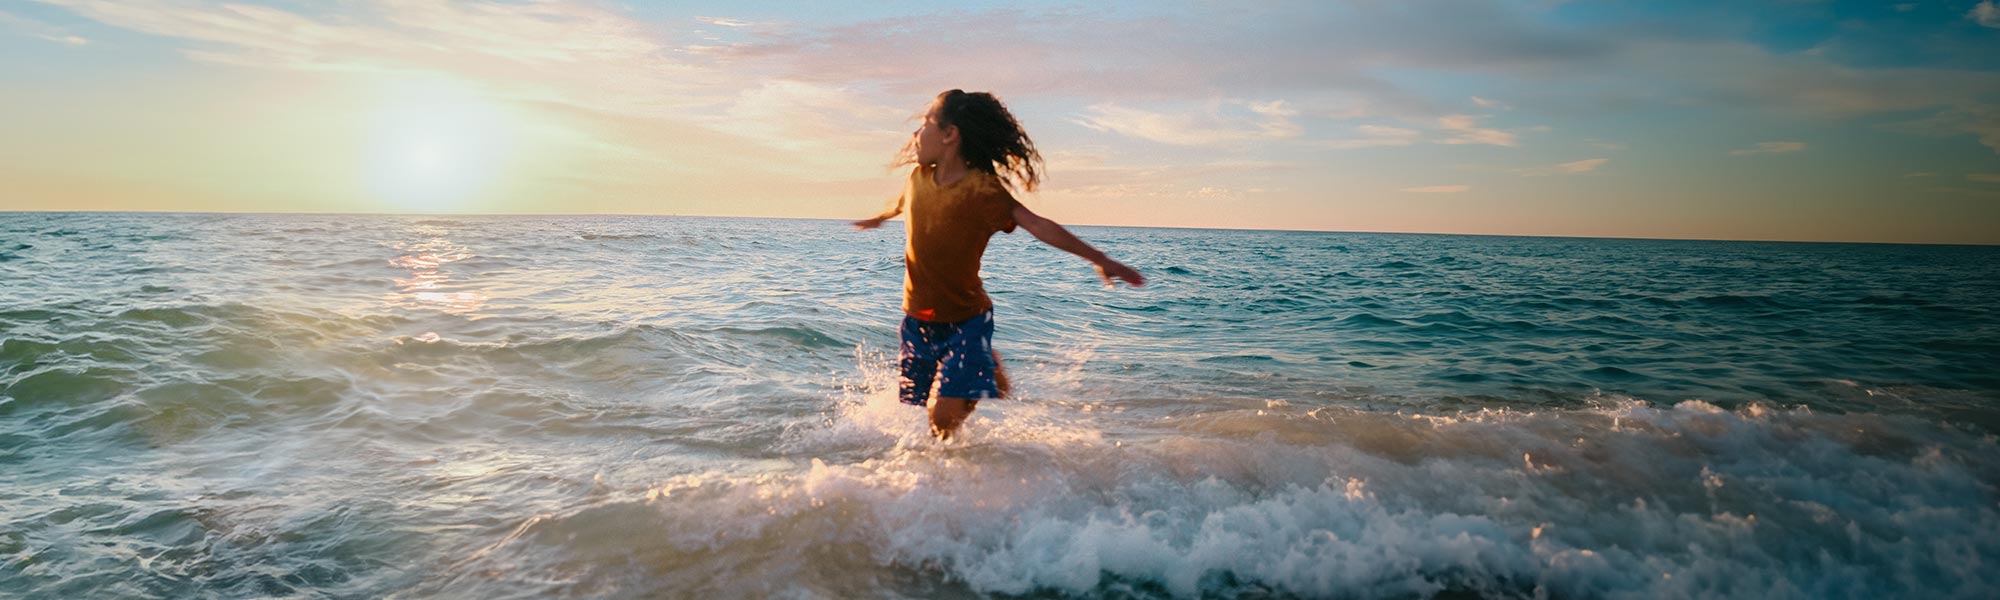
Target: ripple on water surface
column 312, row 406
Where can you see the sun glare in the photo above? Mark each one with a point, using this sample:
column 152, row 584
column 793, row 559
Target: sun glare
column 437, row 145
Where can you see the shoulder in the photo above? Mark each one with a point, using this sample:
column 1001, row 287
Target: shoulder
column 988, row 186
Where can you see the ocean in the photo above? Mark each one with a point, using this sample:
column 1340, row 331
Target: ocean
column 323, row 406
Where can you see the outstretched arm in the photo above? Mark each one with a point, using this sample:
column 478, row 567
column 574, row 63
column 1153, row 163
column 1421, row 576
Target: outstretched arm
column 876, row 221
column 1053, row 234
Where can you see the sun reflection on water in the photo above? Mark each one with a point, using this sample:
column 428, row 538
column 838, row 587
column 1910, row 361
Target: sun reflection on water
column 430, row 285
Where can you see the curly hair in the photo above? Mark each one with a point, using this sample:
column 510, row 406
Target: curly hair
column 990, row 139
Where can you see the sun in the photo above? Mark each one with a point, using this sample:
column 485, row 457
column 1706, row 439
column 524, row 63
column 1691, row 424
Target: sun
column 436, row 145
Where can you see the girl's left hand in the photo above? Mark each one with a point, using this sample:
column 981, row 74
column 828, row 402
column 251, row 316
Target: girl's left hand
column 1116, row 270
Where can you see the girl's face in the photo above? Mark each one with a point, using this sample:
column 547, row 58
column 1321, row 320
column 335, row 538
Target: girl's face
column 933, row 139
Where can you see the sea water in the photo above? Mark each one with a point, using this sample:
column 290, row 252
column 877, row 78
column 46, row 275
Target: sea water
column 200, row 405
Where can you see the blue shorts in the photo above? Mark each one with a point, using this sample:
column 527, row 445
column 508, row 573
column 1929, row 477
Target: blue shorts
column 964, row 350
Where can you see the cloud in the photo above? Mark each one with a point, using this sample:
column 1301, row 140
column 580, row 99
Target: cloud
column 816, row 122
column 1275, row 109
column 1088, row 175
column 719, row 34
column 1985, row 14
column 730, row 23
column 1373, row 136
column 551, row 52
column 235, row 34
column 40, row 30
column 1272, row 120
column 1920, row 174
column 1309, row 53
column 571, row 52
column 1186, row 53
column 804, row 90
column 1718, row 72
column 1451, row 130
column 1983, row 122
column 1569, row 168
column 1770, row 148
column 1437, row 189
column 1465, row 129
column 1356, row 50
column 1983, row 177
column 1582, row 166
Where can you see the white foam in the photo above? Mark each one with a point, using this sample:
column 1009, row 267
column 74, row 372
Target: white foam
column 1623, row 501
column 1040, row 494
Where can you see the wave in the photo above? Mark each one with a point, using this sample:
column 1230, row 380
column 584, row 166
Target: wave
column 797, row 336
column 1893, row 301
column 274, row 416
column 1721, row 301
column 1622, row 500
column 1370, row 320
column 1240, row 358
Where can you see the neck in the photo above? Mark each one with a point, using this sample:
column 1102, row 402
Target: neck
column 950, row 169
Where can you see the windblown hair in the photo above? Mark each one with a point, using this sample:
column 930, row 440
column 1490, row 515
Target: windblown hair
column 990, row 139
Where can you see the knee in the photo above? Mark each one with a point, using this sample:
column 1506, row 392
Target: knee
column 947, row 414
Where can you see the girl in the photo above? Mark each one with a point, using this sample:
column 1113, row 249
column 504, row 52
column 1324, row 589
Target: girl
column 970, row 154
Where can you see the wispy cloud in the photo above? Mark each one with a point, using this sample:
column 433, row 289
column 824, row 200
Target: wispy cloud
column 1267, row 120
column 1582, row 166
column 1982, row 121
column 1181, row 53
column 1089, row 175
column 40, row 30
column 801, row 116
column 1985, row 13
column 730, row 23
column 1920, row 174
column 1373, row 136
column 1569, row 168
column 577, row 54
column 1769, row 148
column 1465, row 129
column 1091, row 57
column 1717, row 72
column 1983, row 177
column 553, row 45
column 1195, row 83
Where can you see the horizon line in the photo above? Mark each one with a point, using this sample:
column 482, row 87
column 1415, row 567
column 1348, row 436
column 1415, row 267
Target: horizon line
column 899, row 219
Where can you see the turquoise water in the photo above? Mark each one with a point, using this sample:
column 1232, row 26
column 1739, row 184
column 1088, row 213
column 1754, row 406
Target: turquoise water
column 625, row 407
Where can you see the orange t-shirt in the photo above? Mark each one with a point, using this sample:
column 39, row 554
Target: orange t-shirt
column 948, row 229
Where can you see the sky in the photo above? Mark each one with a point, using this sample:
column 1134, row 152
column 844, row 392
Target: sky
column 1774, row 120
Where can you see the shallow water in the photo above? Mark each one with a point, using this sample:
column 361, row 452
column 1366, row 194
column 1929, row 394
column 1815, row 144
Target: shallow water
column 532, row 407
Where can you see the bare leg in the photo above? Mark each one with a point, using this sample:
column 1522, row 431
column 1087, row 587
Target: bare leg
column 947, row 414
column 1000, row 376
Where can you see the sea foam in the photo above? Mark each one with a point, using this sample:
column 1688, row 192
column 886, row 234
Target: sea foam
column 1623, row 500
